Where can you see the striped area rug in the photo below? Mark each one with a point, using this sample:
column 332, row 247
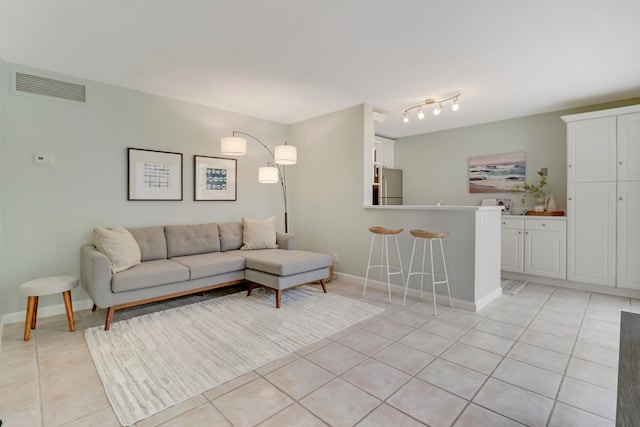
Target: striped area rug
column 155, row 361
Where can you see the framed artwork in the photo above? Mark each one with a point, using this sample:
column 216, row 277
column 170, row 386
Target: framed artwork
column 214, row 178
column 506, row 206
column 497, row 173
column 154, row 175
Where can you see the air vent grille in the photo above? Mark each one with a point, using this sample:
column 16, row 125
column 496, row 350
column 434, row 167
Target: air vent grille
column 50, row 87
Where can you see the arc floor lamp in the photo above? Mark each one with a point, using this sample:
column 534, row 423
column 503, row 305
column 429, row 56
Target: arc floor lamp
column 283, row 155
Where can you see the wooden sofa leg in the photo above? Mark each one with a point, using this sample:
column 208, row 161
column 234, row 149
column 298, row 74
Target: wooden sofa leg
column 94, row 307
column 251, row 285
column 324, row 288
column 278, row 297
column 107, row 323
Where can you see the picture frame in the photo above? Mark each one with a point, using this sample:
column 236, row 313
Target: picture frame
column 214, row 178
column 506, row 206
column 497, row 173
column 154, row 175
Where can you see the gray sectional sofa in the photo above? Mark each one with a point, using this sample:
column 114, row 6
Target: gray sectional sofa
column 179, row 260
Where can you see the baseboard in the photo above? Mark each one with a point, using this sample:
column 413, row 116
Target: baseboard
column 48, row 311
column 608, row 290
column 415, row 293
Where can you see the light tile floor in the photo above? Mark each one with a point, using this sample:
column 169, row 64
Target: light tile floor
column 544, row 357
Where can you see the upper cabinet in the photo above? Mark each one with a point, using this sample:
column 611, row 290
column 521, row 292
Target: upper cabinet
column 629, row 147
column 591, row 150
column 603, row 148
column 383, row 152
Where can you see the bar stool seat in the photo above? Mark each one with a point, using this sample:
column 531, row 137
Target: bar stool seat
column 385, row 234
column 428, row 236
column 47, row 286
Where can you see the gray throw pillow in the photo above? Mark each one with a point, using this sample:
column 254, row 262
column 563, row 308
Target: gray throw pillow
column 230, row 236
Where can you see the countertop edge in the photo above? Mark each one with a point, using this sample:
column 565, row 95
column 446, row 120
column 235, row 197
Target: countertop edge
column 433, row 207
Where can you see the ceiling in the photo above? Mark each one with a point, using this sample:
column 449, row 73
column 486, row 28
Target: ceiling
column 291, row 60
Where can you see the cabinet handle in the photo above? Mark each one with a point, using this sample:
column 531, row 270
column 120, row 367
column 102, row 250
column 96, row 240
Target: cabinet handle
column 570, row 198
column 620, row 163
column 569, row 166
column 620, row 198
column 526, row 232
column 543, row 224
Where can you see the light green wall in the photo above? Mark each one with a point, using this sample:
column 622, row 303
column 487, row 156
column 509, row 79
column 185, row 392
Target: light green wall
column 436, row 164
column 2, row 97
column 50, row 211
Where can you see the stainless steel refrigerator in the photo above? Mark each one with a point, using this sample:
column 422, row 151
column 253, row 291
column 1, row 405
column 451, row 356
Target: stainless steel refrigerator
column 389, row 186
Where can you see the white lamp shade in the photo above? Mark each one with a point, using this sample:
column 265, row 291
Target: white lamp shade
column 268, row 175
column 233, row 146
column 286, row 155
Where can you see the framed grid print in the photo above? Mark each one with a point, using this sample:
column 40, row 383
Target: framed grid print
column 154, row 175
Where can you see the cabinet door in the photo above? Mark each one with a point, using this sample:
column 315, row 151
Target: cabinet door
column 545, row 253
column 628, row 253
column 591, row 234
column 591, row 150
column 629, row 147
column 512, row 245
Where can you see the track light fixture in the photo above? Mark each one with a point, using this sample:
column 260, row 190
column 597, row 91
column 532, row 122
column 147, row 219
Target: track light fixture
column 436, row 111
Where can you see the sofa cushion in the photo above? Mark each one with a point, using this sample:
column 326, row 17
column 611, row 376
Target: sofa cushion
column 230, row 236
column 118, row 245
column 282, row 262
column 152, row 243
column 258, row 234
column 149, row 273
column 210, row 264
column 191, row 239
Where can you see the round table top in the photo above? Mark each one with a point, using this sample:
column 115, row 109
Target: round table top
column 48, row 285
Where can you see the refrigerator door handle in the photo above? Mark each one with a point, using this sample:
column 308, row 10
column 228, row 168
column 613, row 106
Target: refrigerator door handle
column 384, row 190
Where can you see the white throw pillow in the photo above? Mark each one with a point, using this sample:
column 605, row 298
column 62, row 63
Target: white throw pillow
column 119, row 245
column 259, row 234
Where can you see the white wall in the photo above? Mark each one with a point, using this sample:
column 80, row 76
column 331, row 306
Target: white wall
column 49, row 211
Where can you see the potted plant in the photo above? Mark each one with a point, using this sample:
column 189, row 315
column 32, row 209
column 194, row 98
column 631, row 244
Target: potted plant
column 536, row 191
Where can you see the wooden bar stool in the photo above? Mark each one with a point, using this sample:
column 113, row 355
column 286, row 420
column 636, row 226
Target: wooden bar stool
column 430, row 237
column 385, row 234
column 47, row 286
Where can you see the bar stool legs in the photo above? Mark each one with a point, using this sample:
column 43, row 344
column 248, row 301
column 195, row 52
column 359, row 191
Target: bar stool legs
column 428, row 236
column 385, row 234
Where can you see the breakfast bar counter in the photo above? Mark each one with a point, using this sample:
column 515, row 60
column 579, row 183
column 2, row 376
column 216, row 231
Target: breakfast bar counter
column 472, row 250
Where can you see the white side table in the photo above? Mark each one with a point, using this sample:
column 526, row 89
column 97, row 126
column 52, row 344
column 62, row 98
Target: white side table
column 47, row 286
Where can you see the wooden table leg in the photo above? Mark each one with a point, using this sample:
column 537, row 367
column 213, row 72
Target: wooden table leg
column 66, row 295
column 278, row 297
column 35, row 312
column 31, row 302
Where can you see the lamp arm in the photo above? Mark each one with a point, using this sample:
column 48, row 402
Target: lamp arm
column 260, row 142
column 283, row 183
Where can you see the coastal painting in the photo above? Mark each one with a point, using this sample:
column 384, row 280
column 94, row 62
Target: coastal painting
column 497, row 173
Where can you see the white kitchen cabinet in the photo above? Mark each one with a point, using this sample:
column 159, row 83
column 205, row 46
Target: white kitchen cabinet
column 628, row 148
column 603, row 232
column 545, row 248
column 591, row 150
column 384, row 152
column 628, row 242
column 534, row 245
column 512, row 245
column 591, row 233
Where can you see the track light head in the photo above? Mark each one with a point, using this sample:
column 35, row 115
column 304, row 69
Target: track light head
column 420, row 113
column 405, row 118
column 437, row 110
column 454, row 105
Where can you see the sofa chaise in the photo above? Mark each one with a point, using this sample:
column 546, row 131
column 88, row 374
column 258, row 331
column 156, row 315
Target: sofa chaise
column 177, row 260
